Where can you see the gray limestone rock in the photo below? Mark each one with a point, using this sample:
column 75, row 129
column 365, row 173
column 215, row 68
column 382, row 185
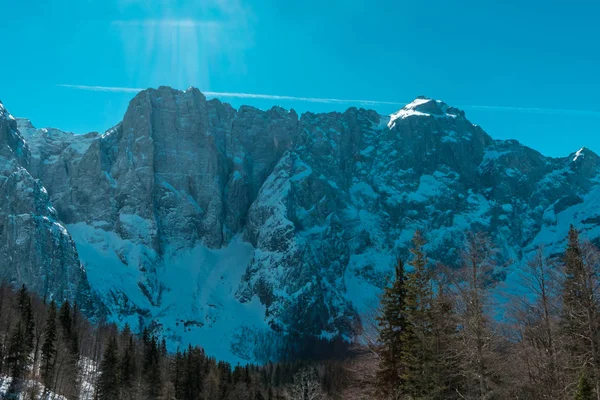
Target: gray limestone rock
column 35, row 248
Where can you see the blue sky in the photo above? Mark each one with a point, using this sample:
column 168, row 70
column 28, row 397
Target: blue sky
column 526, row 70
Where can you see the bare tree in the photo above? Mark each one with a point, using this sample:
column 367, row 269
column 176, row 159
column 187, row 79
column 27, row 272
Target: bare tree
column 476, row 338
column 532, row 329
column 367, row 330
column 306, row 386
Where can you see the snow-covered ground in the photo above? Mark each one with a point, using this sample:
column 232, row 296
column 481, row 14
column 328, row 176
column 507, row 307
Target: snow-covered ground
column 198, row 303
column 87, row 376
column 30, row 387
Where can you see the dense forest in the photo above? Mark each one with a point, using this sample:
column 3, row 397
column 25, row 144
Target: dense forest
column 439, row 333
column 53, row 352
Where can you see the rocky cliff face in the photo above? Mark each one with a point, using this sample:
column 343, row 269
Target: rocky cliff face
column 220, row 224
column 35, row 248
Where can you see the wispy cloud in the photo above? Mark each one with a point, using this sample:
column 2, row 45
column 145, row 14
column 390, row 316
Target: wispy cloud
column 342, row 101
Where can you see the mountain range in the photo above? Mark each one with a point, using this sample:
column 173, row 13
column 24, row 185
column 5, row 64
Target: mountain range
column 220, row 226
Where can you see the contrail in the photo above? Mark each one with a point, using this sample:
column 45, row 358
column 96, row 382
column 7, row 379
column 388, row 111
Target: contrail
column 342, row 101
column 533, row 110
column 307, row 99
column 239, row 95
column 102, row 88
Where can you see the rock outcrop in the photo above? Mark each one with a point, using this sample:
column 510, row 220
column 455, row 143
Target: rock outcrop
column 35, row 248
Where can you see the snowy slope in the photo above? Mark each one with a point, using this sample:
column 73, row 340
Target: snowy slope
column 88, row 374
column 197, row 300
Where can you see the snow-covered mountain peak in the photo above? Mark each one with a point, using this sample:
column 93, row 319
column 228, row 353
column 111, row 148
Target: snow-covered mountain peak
column 419, row 100
column 584, row 161
column 579, row 153
column 425, row 107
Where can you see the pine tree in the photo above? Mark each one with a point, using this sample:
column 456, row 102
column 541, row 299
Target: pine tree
column 584, row 388
column 74, row 337
column 21, row 342
column 152, row 370
column 68, row 351
column 391, row 322
column 573, row 292
column 65, row 318
column 25, row 309
column 49, row 348
column 108, row 383
column 127, row 369
column 416, row 357
column 163, row 348
column 177, row 374
column 193, row 377
column 22, row 297
column 225, row 378
column 580, row 315
column 17, row 359
column 445, row 378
